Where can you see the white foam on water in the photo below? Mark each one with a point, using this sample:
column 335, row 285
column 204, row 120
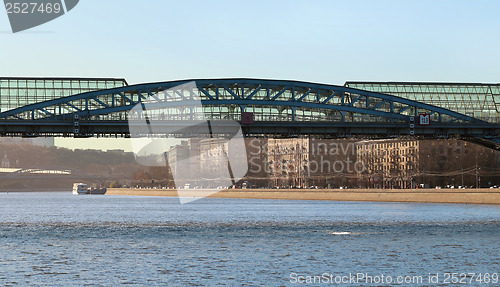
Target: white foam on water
column 341, row 233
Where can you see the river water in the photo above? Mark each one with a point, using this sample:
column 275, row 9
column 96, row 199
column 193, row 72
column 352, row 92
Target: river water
column 57, row 239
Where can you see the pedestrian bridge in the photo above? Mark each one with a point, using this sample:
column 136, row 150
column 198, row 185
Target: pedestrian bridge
column 70, row 107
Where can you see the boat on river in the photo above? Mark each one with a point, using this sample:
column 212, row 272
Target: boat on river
column 82, row 188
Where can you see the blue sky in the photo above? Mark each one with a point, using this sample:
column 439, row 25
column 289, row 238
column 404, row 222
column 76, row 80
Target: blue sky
column 318, row 41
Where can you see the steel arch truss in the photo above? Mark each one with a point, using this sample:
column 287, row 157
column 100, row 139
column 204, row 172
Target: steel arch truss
column 271, row 101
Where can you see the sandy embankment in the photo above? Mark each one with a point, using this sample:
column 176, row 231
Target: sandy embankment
column 473, row 196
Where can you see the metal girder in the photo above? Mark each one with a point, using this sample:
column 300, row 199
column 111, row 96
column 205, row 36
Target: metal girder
column 279, row 93
column 305, row 95
column 336, row 93
column 126, row 98
column 207, row 94
column 69, row 104
column 153, row 96
column 230, row 91
column 100, row 102
column 254, row 92
column 380, row 104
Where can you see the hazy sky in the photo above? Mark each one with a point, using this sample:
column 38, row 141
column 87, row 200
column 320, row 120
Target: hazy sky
column 318, row 41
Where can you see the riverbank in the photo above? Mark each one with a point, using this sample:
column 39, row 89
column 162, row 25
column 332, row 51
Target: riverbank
column 470, row 196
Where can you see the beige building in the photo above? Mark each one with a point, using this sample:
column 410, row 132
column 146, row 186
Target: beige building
column 288, row 161
column 213, row 163
column 389, row 163
column 306, row 162
column 426, row 163
column 176, row 155
column 203, row 163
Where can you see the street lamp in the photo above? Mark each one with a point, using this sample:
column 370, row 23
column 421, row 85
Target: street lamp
column 461, row 170
column 478, row 178
column 476, row 166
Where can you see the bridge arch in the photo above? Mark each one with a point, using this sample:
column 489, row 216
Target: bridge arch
column 242, row 93
column 279, row 107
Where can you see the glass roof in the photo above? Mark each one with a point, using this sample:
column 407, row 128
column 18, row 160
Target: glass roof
column 477, row 100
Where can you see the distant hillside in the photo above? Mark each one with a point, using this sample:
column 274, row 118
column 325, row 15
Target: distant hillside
column 93, row 162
